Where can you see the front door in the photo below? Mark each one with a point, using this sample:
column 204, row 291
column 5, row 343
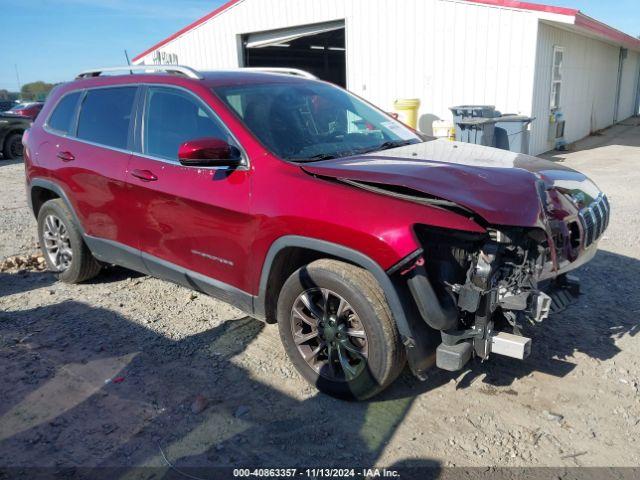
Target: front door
column 192, row 222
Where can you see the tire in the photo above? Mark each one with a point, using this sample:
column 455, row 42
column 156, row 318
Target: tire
column 81, row 266
column 12, row 149
column 370, row 364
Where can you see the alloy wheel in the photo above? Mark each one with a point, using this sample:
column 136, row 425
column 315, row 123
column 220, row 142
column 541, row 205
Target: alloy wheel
column 57, row 244
column 329, row 334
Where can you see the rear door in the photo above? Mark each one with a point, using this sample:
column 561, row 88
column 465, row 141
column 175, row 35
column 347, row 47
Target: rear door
column 102, row 151
column 188, row 218
column 91, row 160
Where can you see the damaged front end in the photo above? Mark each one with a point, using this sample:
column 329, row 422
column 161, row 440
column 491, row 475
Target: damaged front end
column 537, row 220
column 479, row 290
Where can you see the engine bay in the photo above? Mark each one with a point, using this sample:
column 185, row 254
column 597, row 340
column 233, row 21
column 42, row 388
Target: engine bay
column 486, row 288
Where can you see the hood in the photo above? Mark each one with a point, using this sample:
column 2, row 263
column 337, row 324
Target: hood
column 504, row 188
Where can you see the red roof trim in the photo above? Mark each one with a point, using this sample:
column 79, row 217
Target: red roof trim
column 581, row 20
column 536, row 7
column 191, row 26
column 607, row 31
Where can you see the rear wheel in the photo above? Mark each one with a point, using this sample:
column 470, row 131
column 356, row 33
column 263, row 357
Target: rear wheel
column 12, row 148
column 64, row 250
column 337, row 330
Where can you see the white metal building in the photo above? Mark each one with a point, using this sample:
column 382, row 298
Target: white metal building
column 523, row 58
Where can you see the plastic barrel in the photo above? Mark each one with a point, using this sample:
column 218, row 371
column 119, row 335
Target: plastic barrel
column 407, row 110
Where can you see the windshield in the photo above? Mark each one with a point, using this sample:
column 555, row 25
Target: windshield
column 313, row 121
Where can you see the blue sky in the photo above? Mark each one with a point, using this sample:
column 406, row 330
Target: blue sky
column 52, row 40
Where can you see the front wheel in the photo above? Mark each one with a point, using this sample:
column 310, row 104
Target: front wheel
column 338, row 331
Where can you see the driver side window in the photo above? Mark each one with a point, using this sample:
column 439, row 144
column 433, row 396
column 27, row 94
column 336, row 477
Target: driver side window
column 172, row 117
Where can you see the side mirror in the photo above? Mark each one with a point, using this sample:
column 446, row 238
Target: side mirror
column 209, row 152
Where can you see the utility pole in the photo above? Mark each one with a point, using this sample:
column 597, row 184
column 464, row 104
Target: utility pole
column 18, row 78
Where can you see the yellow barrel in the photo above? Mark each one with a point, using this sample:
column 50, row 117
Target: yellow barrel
column 407, row 110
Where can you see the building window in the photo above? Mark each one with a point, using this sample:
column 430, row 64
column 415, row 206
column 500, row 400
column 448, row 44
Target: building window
column 556, row 77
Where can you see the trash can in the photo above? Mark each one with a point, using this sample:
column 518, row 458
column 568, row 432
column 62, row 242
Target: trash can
column 512, row 133
column 477, row 130
column 484, row 111
column 408, row 111
column 472, row 111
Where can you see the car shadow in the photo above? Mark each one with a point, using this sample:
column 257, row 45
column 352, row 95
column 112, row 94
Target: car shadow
column 114, row 273
column 91, row 388
column 87, row 387
column 12, row 283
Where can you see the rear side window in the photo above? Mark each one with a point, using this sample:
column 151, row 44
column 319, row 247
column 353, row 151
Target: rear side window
column 105, row 116
column 62, row 117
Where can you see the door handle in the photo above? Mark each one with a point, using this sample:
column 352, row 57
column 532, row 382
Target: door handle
column 144, row 175
column 66, row 156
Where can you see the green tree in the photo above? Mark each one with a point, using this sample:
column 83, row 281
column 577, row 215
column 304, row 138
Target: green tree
column 36, row 90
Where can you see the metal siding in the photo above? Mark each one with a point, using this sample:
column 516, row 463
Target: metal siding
column 460, row 53
column 445, row 52
column 629, row 86
column 588, row 90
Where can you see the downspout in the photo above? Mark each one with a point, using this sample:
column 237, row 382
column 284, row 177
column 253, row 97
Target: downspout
column 621, row 58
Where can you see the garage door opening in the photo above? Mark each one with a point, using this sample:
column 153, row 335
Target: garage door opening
column 319, row 49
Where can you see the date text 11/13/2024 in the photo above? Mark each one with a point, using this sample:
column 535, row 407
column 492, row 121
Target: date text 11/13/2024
column 316, row 473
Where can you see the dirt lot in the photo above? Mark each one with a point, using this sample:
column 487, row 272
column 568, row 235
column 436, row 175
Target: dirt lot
column 106, row 373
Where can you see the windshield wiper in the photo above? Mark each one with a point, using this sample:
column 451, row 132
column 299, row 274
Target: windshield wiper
column 313, row 158
column 389, row 145
column 328, row 156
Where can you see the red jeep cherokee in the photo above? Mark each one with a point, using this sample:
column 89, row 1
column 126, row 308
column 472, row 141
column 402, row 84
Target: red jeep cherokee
column 302, row 204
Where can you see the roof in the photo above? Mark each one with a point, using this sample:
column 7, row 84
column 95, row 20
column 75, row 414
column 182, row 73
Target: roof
column 534, row 7
column 211, row 79
column 223, row 78
column 575, row 17
column 189, row 27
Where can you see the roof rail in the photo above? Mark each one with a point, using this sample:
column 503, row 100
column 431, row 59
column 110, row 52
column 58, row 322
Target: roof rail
column 129, row 69
column 283, row 71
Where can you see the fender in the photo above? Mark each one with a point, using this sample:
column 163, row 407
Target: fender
column 416, row 339
column 54, row 187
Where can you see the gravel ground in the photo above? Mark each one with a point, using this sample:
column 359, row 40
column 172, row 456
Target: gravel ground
column 128, row 370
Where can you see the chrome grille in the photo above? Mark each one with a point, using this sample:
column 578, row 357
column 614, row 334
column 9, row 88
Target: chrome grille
column 597, row 212
column 595, row 219
column 607, row 208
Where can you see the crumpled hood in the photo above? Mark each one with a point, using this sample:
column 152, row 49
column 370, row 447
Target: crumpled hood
column 501, row 187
